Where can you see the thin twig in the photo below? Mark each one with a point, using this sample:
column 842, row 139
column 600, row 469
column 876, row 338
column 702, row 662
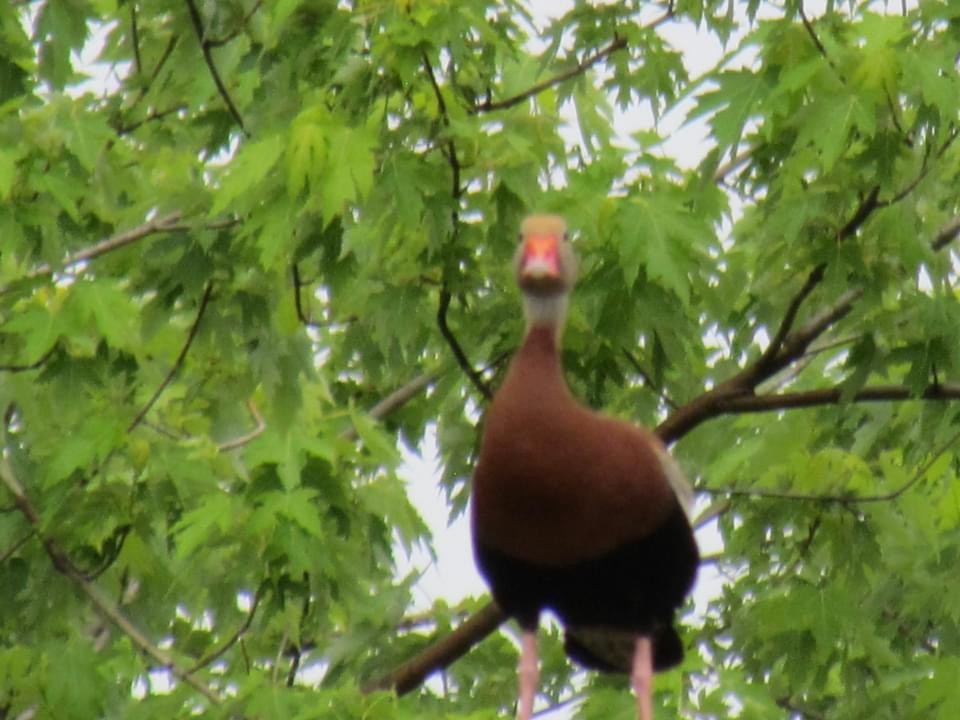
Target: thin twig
column 217, row 42
column 395, row 400
column 164, row 56
column 455, row 348
column 191, row 336
column 97, row 598
column 710, row 513
column 401, row 396
column 205, row 48
column 166, row 223
column 16, row 546
column 298, row 300
column 833, row 396
column 860, row 215
column 808, row 26
column 152, row 116
column 732, row 164
column 451, row 148
column 490, row 105
column 647, row 380
column 947, row 234
column 296, row 656
column 845, row 499
column 248, row 437
column 34, row 365
column 135, row 39
column 786, row 324
column 233, row 639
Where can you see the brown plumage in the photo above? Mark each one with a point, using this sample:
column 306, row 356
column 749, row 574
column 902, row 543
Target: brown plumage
column 574, row 511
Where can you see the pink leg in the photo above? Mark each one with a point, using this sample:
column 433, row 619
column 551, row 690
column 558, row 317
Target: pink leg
column 642, row 677
column 529, row 674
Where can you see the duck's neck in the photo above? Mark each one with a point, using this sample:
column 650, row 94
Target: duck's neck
column 546, row 314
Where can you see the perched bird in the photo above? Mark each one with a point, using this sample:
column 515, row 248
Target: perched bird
column 575, row 512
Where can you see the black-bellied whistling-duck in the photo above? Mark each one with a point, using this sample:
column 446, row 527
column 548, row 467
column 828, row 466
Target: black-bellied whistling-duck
column 573, row 511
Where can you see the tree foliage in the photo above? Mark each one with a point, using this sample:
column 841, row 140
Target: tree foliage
column 273, row 242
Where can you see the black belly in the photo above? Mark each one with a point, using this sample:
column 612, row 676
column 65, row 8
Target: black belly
column 635, row 589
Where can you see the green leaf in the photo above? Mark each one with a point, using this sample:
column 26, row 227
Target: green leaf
column 201, row 525
column 254, row 161
column 8, row 172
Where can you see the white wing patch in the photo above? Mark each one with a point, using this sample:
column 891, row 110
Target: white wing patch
column 678, row 481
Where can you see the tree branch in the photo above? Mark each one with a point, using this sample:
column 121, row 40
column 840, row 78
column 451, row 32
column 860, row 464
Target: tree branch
column 833, row 498
column 832, row 396
column 440, row 654
column 776, row 344
column 217, row 42
column 812, row 33
column 451, row 151
column 647, row 380
column 167, row 223
column 490, row 105
column 860, row 215
column 152, row 116
column 458, row 353
column 233, row 639
column 191, row 336
column 135, row 39
column 205, row 48
column 248, row 437
column 5, row 555
column 947, row 234
column 97, row 598
column 395, row 400
column 167, row 52
column 732, row 164
column 35, row 364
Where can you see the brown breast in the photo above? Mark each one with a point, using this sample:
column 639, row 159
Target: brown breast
column 555, row 482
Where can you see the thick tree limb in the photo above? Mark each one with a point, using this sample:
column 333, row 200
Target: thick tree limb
column 191, row 336
column 711, row 403
column 97, row 598
column 412, row 673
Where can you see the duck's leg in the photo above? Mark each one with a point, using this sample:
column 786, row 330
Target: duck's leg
column 529, row 674
column 642, row 677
